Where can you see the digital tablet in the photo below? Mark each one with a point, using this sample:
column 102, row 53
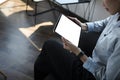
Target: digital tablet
column 68, row 29
column 72, row 1
column 67, row 1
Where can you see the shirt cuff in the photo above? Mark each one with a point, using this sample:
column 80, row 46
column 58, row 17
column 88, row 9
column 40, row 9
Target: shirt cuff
column 90, row 65
column 90, row 26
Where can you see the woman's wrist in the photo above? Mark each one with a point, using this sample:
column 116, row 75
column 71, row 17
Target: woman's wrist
column 77, row 51
column 82, row 56
column 84, row 26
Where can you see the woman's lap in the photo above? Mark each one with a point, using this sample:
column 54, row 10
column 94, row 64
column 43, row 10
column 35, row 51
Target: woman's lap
column 58, row 61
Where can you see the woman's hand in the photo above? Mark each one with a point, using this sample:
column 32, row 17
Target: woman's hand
column 69, row 46
column 83, row 25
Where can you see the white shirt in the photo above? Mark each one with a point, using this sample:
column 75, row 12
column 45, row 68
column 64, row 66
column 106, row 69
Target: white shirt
column 105, row 61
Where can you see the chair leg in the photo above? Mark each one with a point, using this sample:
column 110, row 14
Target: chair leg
column 27, row 2
column 35, row 10
column 53, row 8
column 35, row 13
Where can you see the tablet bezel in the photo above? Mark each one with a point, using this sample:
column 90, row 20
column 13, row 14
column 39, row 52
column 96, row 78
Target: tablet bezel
column 57, row 22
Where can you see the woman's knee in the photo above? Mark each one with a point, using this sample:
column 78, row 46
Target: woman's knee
column 52, row 44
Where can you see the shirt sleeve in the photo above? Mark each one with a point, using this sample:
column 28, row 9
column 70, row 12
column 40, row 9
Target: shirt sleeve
column 97, row 70
column 109, row 72
column 97, row 26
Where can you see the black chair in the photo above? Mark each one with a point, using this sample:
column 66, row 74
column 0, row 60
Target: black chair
column 53, row 4
column 36, row 8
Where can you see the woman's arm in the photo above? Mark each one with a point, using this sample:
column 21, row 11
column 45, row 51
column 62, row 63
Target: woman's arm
column 96, row 26
column 69, row 46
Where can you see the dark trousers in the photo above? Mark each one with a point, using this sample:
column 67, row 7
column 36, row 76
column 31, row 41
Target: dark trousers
column 60, row 63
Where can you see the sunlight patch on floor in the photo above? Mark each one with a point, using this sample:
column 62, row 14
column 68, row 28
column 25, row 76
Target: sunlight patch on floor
column 30, row 30
column 10, row 7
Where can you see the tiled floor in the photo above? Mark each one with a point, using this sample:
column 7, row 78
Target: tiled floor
column 20, row 40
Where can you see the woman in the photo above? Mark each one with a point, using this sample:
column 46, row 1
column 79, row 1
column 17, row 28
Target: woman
column 67, row 62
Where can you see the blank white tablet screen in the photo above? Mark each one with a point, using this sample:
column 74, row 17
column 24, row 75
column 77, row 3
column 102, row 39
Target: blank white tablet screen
column 67, row 1
column 69, row 30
